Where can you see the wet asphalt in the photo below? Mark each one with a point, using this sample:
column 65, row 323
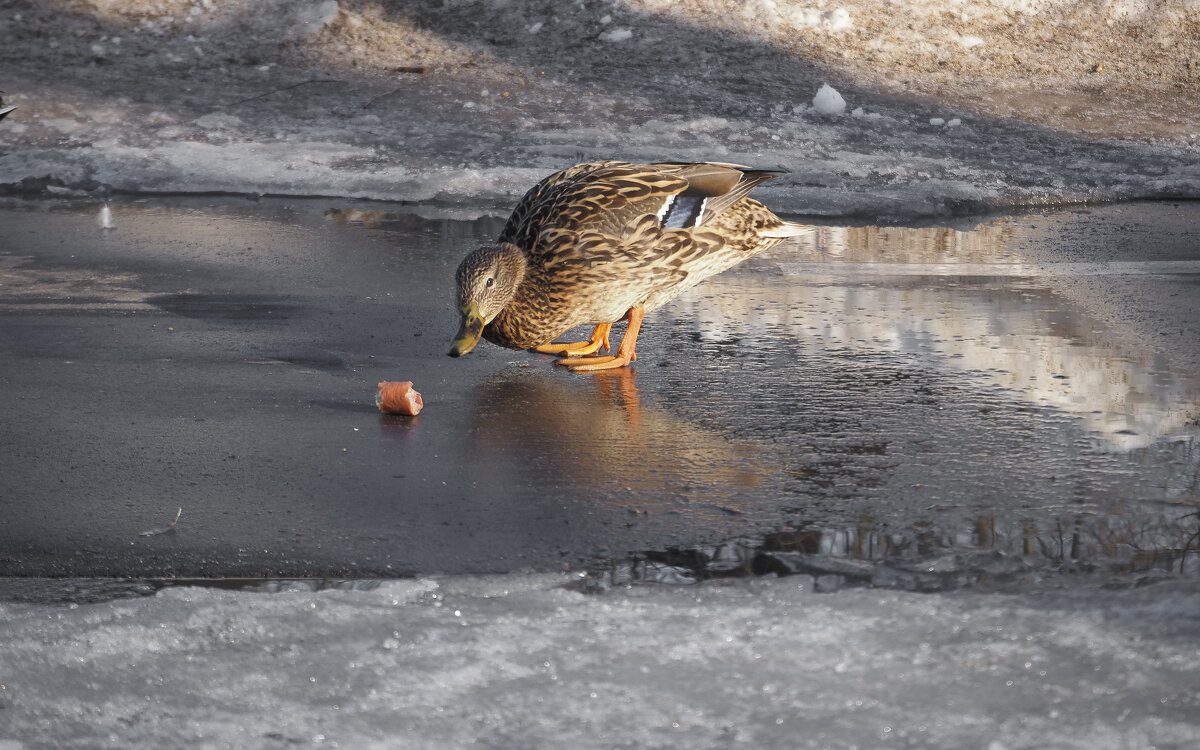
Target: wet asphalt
column 1027, row 389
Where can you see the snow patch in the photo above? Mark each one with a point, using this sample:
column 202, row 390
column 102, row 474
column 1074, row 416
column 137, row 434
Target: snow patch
column 833, row 21
column 968, row 41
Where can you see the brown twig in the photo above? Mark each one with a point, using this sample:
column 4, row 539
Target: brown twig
column 170, row 529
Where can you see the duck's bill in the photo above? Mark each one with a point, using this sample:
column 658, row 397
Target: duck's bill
column 470, row 331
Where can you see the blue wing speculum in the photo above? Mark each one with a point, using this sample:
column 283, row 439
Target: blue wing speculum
column 682, row 210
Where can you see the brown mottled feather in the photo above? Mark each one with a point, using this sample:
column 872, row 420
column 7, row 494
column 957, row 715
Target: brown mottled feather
column 595, row 246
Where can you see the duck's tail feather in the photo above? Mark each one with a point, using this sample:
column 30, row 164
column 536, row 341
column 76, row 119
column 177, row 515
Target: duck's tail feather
column 787, row 229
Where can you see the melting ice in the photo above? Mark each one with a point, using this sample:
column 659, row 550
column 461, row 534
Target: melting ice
column 525, row 661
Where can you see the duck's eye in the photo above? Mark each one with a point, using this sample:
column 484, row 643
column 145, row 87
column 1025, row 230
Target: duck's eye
column 490, row 281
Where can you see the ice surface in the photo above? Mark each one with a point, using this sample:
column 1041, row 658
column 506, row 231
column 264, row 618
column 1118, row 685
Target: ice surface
column 522, row 661
column 467, row 104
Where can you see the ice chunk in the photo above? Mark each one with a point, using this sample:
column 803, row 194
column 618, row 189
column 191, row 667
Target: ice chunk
column 828, row 101
column 616, row 35
column 936, row 121
column 861, row 114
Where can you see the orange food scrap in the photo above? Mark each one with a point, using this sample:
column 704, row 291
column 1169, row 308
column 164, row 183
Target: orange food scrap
column 398, row 397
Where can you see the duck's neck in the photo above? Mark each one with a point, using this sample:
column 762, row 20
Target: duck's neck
column 521, row 323
column 513, row 266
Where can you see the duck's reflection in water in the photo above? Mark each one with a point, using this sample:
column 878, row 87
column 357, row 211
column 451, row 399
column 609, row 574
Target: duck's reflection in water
column 594, row 439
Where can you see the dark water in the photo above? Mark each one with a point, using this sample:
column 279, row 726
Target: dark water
column 1008, row 403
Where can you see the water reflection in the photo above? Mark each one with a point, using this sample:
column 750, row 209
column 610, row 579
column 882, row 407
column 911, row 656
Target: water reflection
column 1117, row 548
column 972, row 301
column 779, row 407
column 594, row 439
column 786, row 397
column 883, row 401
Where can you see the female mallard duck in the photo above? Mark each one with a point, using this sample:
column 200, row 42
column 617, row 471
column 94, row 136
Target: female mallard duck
column 609, row 241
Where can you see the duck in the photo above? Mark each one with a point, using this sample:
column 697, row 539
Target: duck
column 609, row 241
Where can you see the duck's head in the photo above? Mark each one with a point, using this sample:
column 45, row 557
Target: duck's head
column 487, row 281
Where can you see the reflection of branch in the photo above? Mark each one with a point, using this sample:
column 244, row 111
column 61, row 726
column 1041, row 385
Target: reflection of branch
column 381, row 96
column 285, row 88
column 1187, row 546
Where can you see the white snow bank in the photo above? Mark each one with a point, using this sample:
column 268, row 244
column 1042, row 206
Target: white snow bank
column 519, row 661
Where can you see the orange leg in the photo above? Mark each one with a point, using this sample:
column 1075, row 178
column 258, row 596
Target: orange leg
column 625, row 353
column 597, row 341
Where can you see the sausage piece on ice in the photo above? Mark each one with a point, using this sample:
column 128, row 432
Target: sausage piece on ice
column 398, row 397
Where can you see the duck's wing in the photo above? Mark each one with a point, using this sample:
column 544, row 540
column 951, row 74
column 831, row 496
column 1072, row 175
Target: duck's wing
column 712, row 187
column 598, row 196
column 607, row 197
column 535, row 207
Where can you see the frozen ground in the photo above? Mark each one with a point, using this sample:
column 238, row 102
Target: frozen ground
column 948, row 107
column 524, row 661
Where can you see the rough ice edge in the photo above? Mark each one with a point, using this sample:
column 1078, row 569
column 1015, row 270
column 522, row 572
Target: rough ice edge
column 520, row 661
column 888, row 185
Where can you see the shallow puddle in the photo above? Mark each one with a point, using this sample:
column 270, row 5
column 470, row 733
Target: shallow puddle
column 961, row 406
column 919, row 407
